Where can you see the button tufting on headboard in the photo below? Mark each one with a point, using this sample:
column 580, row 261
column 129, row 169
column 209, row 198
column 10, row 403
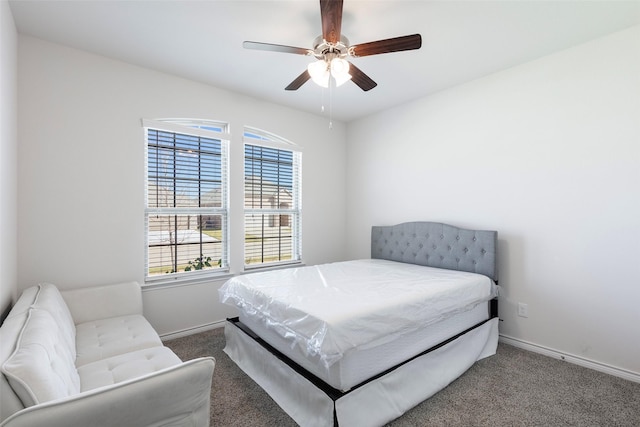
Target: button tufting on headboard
column 457, row 248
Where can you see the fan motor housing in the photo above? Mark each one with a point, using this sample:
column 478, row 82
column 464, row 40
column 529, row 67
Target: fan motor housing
column 321, row 47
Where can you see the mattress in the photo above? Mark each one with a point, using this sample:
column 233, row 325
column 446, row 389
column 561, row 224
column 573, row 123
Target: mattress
column 322, row 312
column 360, row 364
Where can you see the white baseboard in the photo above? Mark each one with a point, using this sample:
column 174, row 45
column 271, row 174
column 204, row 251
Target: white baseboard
column 597, row 366
column 194, row 330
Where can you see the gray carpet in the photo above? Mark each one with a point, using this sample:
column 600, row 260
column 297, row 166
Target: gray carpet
column 512, row 388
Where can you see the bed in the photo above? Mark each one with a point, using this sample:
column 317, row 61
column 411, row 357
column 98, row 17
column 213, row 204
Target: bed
column 360, row 342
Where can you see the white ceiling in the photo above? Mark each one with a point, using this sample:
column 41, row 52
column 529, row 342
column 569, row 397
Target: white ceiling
column 202, row 40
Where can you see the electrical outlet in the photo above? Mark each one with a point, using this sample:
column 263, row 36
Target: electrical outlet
column 523, row 310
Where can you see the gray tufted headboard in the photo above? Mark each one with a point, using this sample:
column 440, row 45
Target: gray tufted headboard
column 437, row 245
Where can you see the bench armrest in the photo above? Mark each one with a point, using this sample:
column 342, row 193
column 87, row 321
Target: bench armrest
column 175, row 396
column 102, row 302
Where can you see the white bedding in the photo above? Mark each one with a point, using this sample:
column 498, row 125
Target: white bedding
column 329, row 309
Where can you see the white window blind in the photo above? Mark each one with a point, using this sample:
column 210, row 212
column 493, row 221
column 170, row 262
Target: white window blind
column 186, row 198
column 273, row 211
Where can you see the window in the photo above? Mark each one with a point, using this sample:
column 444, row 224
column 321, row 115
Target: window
column 186, row 197
column 272, row 218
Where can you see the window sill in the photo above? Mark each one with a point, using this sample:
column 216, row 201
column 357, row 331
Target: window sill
column 254, row 269
column 195, row 279
column 170, row 282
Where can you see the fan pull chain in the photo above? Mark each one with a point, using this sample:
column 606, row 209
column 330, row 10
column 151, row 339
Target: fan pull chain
column 322, row 103
column 330, row 104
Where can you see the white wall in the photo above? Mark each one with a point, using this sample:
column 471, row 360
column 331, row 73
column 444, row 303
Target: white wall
column 8, row 158
column 548, row 154
column 81, row 173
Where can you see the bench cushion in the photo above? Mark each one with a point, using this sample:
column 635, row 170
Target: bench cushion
column 42, row 366
column 125, row 367
column 50, row 299
column 105, row 338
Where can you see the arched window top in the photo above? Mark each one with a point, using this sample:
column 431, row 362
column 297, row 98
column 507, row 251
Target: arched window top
column 205, row 124
column 254, row 135
column 199, row 127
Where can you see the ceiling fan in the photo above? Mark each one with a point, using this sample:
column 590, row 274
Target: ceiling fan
column 331, row 48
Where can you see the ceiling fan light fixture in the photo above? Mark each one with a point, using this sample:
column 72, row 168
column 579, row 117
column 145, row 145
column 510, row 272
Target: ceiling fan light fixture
column 342, row 79
column 340, row 71
column 319, row 72
column 339, row 66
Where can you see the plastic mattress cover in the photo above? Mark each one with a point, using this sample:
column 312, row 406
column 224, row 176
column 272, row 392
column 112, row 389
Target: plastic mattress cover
column 329, row 309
